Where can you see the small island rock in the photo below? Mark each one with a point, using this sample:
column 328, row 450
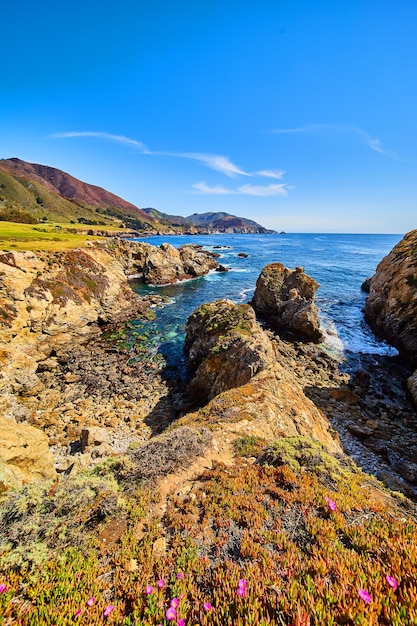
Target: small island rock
column 284, row 298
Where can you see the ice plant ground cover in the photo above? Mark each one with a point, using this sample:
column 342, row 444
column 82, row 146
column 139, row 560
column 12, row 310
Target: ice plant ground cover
column 249, row 544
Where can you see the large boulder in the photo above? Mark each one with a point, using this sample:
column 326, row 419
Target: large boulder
column 225, row 347
column 24, row 454
column 235, row 368
column 284, row 298
column 391, row 307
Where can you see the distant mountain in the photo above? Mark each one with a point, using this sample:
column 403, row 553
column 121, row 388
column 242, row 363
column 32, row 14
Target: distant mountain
column 226, row 223
column 31, row 193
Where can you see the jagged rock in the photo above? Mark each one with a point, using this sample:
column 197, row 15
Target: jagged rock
column 391, row 307
column 94, row 436
column 284, row 298
column 366, row 285
column 412, row 387
column 225, row 347
column 24, row 454
column 165, row 264
column 235, row 365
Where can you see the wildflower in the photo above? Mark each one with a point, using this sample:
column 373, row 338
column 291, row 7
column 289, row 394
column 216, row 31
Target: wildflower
column 180, row 575
column 174, row 603
column 78, row 613
column 242, row 584
column 108, row 610
column 207, row 606
column 90, row 601
column 148, row 590
column 171, row 613
column 332, row 504
column 391, row 582
column 161, row 583
column 181, row 622
column 241, row 591
column 366, row 597
column 3, row 589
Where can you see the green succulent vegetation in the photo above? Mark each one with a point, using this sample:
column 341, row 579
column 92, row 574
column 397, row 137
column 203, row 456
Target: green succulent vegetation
column 250, row 544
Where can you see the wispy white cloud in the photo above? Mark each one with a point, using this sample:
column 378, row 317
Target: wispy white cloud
column 278, row 174
column 217, row 190
column 372, row 143
column 219, row 163
column 216, row 162
column 118, row 138
column 263, row 190
column 245, row 190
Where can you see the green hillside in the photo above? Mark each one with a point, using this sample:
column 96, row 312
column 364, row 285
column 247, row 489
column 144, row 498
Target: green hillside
column 30, row 202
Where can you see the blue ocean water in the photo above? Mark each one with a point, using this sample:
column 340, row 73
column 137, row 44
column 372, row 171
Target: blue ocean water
column 339, row 263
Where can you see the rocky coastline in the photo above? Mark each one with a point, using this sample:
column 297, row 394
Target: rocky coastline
column 67, row 373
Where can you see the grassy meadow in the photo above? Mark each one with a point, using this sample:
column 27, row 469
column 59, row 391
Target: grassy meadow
column 49, row 236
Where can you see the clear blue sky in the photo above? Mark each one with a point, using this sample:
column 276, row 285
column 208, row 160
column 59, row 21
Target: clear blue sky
column 300, row 114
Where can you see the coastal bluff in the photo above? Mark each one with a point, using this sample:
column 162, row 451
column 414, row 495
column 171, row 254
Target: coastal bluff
column 391, row 306
column 58, row 301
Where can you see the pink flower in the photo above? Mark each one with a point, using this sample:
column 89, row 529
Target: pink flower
column 241, row 591
column 174, row 603
column 108, row 610
column 181, row 622
column 332, row 504
column 391, row 581
column 366, row 597
column 148, row 590
column 78, row 613
column 90, row 601
column 3, row 589
column 242, row 584
column 161, row 583
column 180, row 575
column 171, row 613
column 207, row 606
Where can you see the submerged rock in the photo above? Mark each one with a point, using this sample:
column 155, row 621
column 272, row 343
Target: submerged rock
column 284, row 298
column 391, row 307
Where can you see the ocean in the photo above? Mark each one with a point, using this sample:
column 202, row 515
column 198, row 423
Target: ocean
column 339, row 263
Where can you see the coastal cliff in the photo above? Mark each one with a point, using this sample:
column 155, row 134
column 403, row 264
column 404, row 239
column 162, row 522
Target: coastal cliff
column 242, row 507
column 391, row 307
column 54, row 372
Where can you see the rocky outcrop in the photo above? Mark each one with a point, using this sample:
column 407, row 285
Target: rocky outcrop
column 284, row 298
column 412, row 387
column 225, row 347
column 24, row 454
column 235, row 366
column 165, row 264
column 49, row 299
column 391, row 307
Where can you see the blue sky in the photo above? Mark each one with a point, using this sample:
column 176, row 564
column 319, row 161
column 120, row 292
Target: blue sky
column 298, row 114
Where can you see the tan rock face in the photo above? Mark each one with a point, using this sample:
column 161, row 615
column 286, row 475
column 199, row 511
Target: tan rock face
column 391, row 307
column 412, row 387
column 284, row 298
column 165, row 264
column 24, row 454
column 236, row 366
column 226, row 347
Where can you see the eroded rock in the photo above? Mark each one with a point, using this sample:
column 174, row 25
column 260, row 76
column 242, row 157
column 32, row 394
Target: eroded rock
column 284, row 298
column 391, row 307
column 226, row 347
column 24, row 454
